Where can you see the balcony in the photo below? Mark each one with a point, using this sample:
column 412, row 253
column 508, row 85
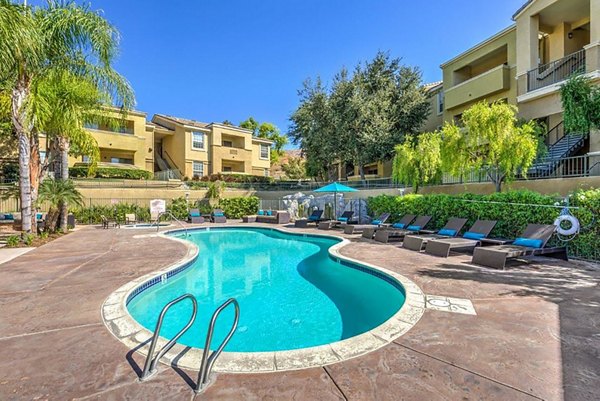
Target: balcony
column 556, row 71
column 490, row 82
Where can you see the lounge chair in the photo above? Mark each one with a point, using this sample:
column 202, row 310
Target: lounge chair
column 343, row 220
column 106, row 223
column 532, row 242
column 218, row 216
column 450, row 230
column 397, row 234
column 316, row 217
column 130, row 218
column 195, row 217
column 360, row 228
column 470, row 240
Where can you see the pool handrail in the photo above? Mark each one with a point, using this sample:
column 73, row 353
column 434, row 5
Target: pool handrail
column 209, row 360
column 150, row 364
column 169, row 213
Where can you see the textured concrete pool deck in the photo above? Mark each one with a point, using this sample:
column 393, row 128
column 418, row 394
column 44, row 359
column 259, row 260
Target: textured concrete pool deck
column 535, row 334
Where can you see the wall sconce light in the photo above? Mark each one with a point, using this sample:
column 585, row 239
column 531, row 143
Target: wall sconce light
column 570, row 35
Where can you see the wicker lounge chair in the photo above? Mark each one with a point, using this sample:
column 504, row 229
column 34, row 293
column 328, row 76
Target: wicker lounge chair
column 342, row 221
column 130, row 218
column 471, row 239
column 218, row 216
column 531, row 243
column 450, row 230
column 195, row 217
column 397, row 234
column 360, row 228
column 107, row 223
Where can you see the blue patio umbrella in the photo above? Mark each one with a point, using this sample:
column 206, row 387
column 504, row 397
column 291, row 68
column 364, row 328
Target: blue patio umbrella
column 335, row 187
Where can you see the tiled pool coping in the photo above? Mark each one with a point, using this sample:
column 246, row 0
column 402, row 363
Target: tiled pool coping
column 125, row 328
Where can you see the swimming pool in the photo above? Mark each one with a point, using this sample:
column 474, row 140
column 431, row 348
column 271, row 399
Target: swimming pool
column 292, row 293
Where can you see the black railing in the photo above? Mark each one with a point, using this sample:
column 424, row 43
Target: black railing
column 556, row 71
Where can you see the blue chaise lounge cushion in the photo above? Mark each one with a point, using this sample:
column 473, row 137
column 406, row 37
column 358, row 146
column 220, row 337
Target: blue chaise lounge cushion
column 528, row 242
column 414, row 228
column 471, row 235
column 398, row 225
column 194, row 214
column 447, row 231
column 376, row 222
column 219, row 214
column 343, row 219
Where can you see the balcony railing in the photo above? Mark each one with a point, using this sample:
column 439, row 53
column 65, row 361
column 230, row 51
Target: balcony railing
column 566, row 167
column 556, row 71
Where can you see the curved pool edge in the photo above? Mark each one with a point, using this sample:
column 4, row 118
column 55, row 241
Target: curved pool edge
column 126, row 329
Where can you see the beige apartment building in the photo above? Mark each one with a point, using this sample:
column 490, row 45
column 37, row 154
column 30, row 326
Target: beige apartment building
column 174, row 148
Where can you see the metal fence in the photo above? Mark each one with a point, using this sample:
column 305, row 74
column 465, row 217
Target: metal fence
column 545, row 168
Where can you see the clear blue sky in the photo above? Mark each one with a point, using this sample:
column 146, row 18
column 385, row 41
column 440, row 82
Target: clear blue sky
column 212, row 60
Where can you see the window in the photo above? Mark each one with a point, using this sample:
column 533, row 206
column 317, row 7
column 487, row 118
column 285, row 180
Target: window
column 227, row 169
column 198, row 140
column 121, row 160
column 198, row 169
column 440, row 103
column 264, row 151
column 228, row 144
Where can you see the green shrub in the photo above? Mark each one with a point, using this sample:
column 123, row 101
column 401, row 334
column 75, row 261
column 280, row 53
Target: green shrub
column 12, row 241
column 512, row 210
column 110, row 172
column 179, row 208
column 235, row 208
column 93, row 214
column 28, row 239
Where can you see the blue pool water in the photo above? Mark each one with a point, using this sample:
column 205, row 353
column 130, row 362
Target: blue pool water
column 291, row 293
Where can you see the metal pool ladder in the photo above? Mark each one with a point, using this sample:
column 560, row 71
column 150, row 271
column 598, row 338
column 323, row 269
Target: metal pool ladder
column 208, row 358
column 151, row 362
column 169, row 213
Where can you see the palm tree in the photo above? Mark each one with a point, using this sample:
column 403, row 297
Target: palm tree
column 33, row 42
column 58, row 193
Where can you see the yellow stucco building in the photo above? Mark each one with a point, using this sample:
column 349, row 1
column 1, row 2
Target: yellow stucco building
column 173, row 147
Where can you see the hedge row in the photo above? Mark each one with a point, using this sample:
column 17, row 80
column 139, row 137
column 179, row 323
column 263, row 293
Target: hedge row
column 110, row 172
column 513, row 211
column 234, row 208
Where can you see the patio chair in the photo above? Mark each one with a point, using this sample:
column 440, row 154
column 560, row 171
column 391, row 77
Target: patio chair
column 316, row 217
column 470, row 240
column 195, row 217
column 397, row 234
column 218, row 216
column 130, row 218
column 532, row 242
column 106, row 223
column 450, row 230
column 343, row 220
column 360, row 228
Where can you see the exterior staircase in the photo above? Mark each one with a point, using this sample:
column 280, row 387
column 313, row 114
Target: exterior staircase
column 566, row 146
column 166, row 172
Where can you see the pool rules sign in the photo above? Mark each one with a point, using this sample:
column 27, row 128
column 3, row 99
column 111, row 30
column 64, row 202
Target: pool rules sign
column 157, row 206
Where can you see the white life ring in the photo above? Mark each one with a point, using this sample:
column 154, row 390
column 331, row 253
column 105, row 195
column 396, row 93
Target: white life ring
column 564, row 231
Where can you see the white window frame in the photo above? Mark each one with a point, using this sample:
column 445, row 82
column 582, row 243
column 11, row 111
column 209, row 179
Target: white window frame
column 194, row 133
column 260, row 149
column 194, row 171
column 440, row 103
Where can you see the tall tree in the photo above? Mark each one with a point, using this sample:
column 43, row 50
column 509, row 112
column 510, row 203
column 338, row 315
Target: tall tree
column 492, row 140
column 268, row 131
column 418, row 160
column 36, row 40
column 313, row 129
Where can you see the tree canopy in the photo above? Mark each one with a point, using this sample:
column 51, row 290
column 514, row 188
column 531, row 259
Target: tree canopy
column 268, row 131
column 362, row 116
column 492, row 140
column 418, row 160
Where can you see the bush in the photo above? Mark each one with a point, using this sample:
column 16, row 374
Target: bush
column 512, row 210
column 240, row 178
column 235, row 208
column 179, row 207
column 93, row 214
column 110, row 172
column 12, row 241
